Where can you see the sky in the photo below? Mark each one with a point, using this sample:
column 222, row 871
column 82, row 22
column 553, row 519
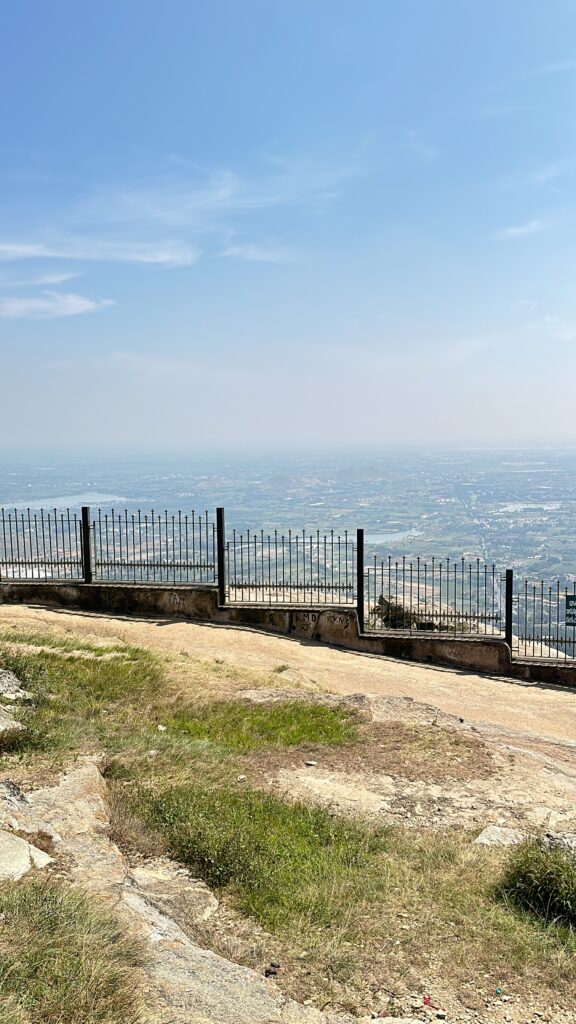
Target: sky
column 287, row 224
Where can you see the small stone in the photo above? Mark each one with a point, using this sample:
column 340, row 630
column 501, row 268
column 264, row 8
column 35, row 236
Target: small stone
column 240, row 778
column 17, row 857
column 496, row 835
column 441, row 1015
column 560, row 841
column 161, row 728
column 310, row 764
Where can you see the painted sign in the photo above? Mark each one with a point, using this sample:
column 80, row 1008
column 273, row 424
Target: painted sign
column 571, row 609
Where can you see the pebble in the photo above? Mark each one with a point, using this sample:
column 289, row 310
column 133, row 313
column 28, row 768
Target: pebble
column 240, row 778
column 310, row 764
column 162, row 728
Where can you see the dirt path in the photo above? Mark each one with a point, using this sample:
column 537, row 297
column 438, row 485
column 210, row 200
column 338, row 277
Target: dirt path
column 503, row 703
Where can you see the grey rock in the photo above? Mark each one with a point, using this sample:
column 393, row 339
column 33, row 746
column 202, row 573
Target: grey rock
column 9, row 727
column 17, row 857
column 10, row 686
column 195, row 985
column 174, row 891
column 498, row 835
column 560, row 841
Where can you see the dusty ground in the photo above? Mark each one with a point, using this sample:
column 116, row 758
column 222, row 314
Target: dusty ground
column 524, row 708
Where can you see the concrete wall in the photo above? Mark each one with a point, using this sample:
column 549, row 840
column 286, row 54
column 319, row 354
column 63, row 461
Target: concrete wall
column 331, row 625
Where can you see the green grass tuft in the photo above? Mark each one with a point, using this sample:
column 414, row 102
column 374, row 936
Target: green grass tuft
column 543, row 882
column 237, row 726
column 62, row 960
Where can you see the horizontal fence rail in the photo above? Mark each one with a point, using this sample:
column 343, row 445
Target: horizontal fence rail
column 44, row 545
column 290, row 568
column 457, row 597
column 541, row 626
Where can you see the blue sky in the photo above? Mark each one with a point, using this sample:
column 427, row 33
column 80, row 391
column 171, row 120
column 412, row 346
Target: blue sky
column 287, row 222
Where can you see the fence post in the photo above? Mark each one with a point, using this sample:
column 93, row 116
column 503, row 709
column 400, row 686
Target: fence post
column 86, row 552
column 508, row 607
column 360, row 578
column 220, row 557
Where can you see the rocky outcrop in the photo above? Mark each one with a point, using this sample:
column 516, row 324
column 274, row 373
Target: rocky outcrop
column 498, row 835
column 9, row 728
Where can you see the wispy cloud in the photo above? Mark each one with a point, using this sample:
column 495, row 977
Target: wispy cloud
column 255, row 253
column 38, row 282
column 50, row 305
column 532, row 227
column 202, row 202
column 163, row 253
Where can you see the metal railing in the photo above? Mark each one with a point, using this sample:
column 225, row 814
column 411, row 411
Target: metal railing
column 44, row 545
column 541, row 620
column 445, row 597
column 290, row 568
column 153, row 547
column 114, row 546
column 441, row 595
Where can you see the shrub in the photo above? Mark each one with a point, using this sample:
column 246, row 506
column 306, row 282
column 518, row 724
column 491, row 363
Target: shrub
column 543, row 882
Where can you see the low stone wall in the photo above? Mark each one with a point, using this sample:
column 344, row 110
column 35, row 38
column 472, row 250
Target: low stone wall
column 336, row 626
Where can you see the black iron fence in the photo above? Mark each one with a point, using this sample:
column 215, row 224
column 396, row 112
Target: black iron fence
column 291, row 567
column 438, row 596
column 43, row 545
column 442, row 595
column 544, row 620
column 154, row 547
column 147, row 547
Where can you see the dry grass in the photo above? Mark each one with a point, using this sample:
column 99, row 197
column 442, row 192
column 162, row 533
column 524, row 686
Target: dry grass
column 428, row 754
column 63, row 960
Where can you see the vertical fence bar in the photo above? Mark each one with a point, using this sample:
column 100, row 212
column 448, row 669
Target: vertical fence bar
column 360, row 578
column 86, row 551
column 508, row 607
column 220, row 560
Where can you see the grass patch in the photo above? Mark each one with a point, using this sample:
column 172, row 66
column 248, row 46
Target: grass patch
column 543, row 882
column 71, row 644
column 285, row 862
column 238, row 726
column 62, row 960
column 83, row 703
column 370, row 906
